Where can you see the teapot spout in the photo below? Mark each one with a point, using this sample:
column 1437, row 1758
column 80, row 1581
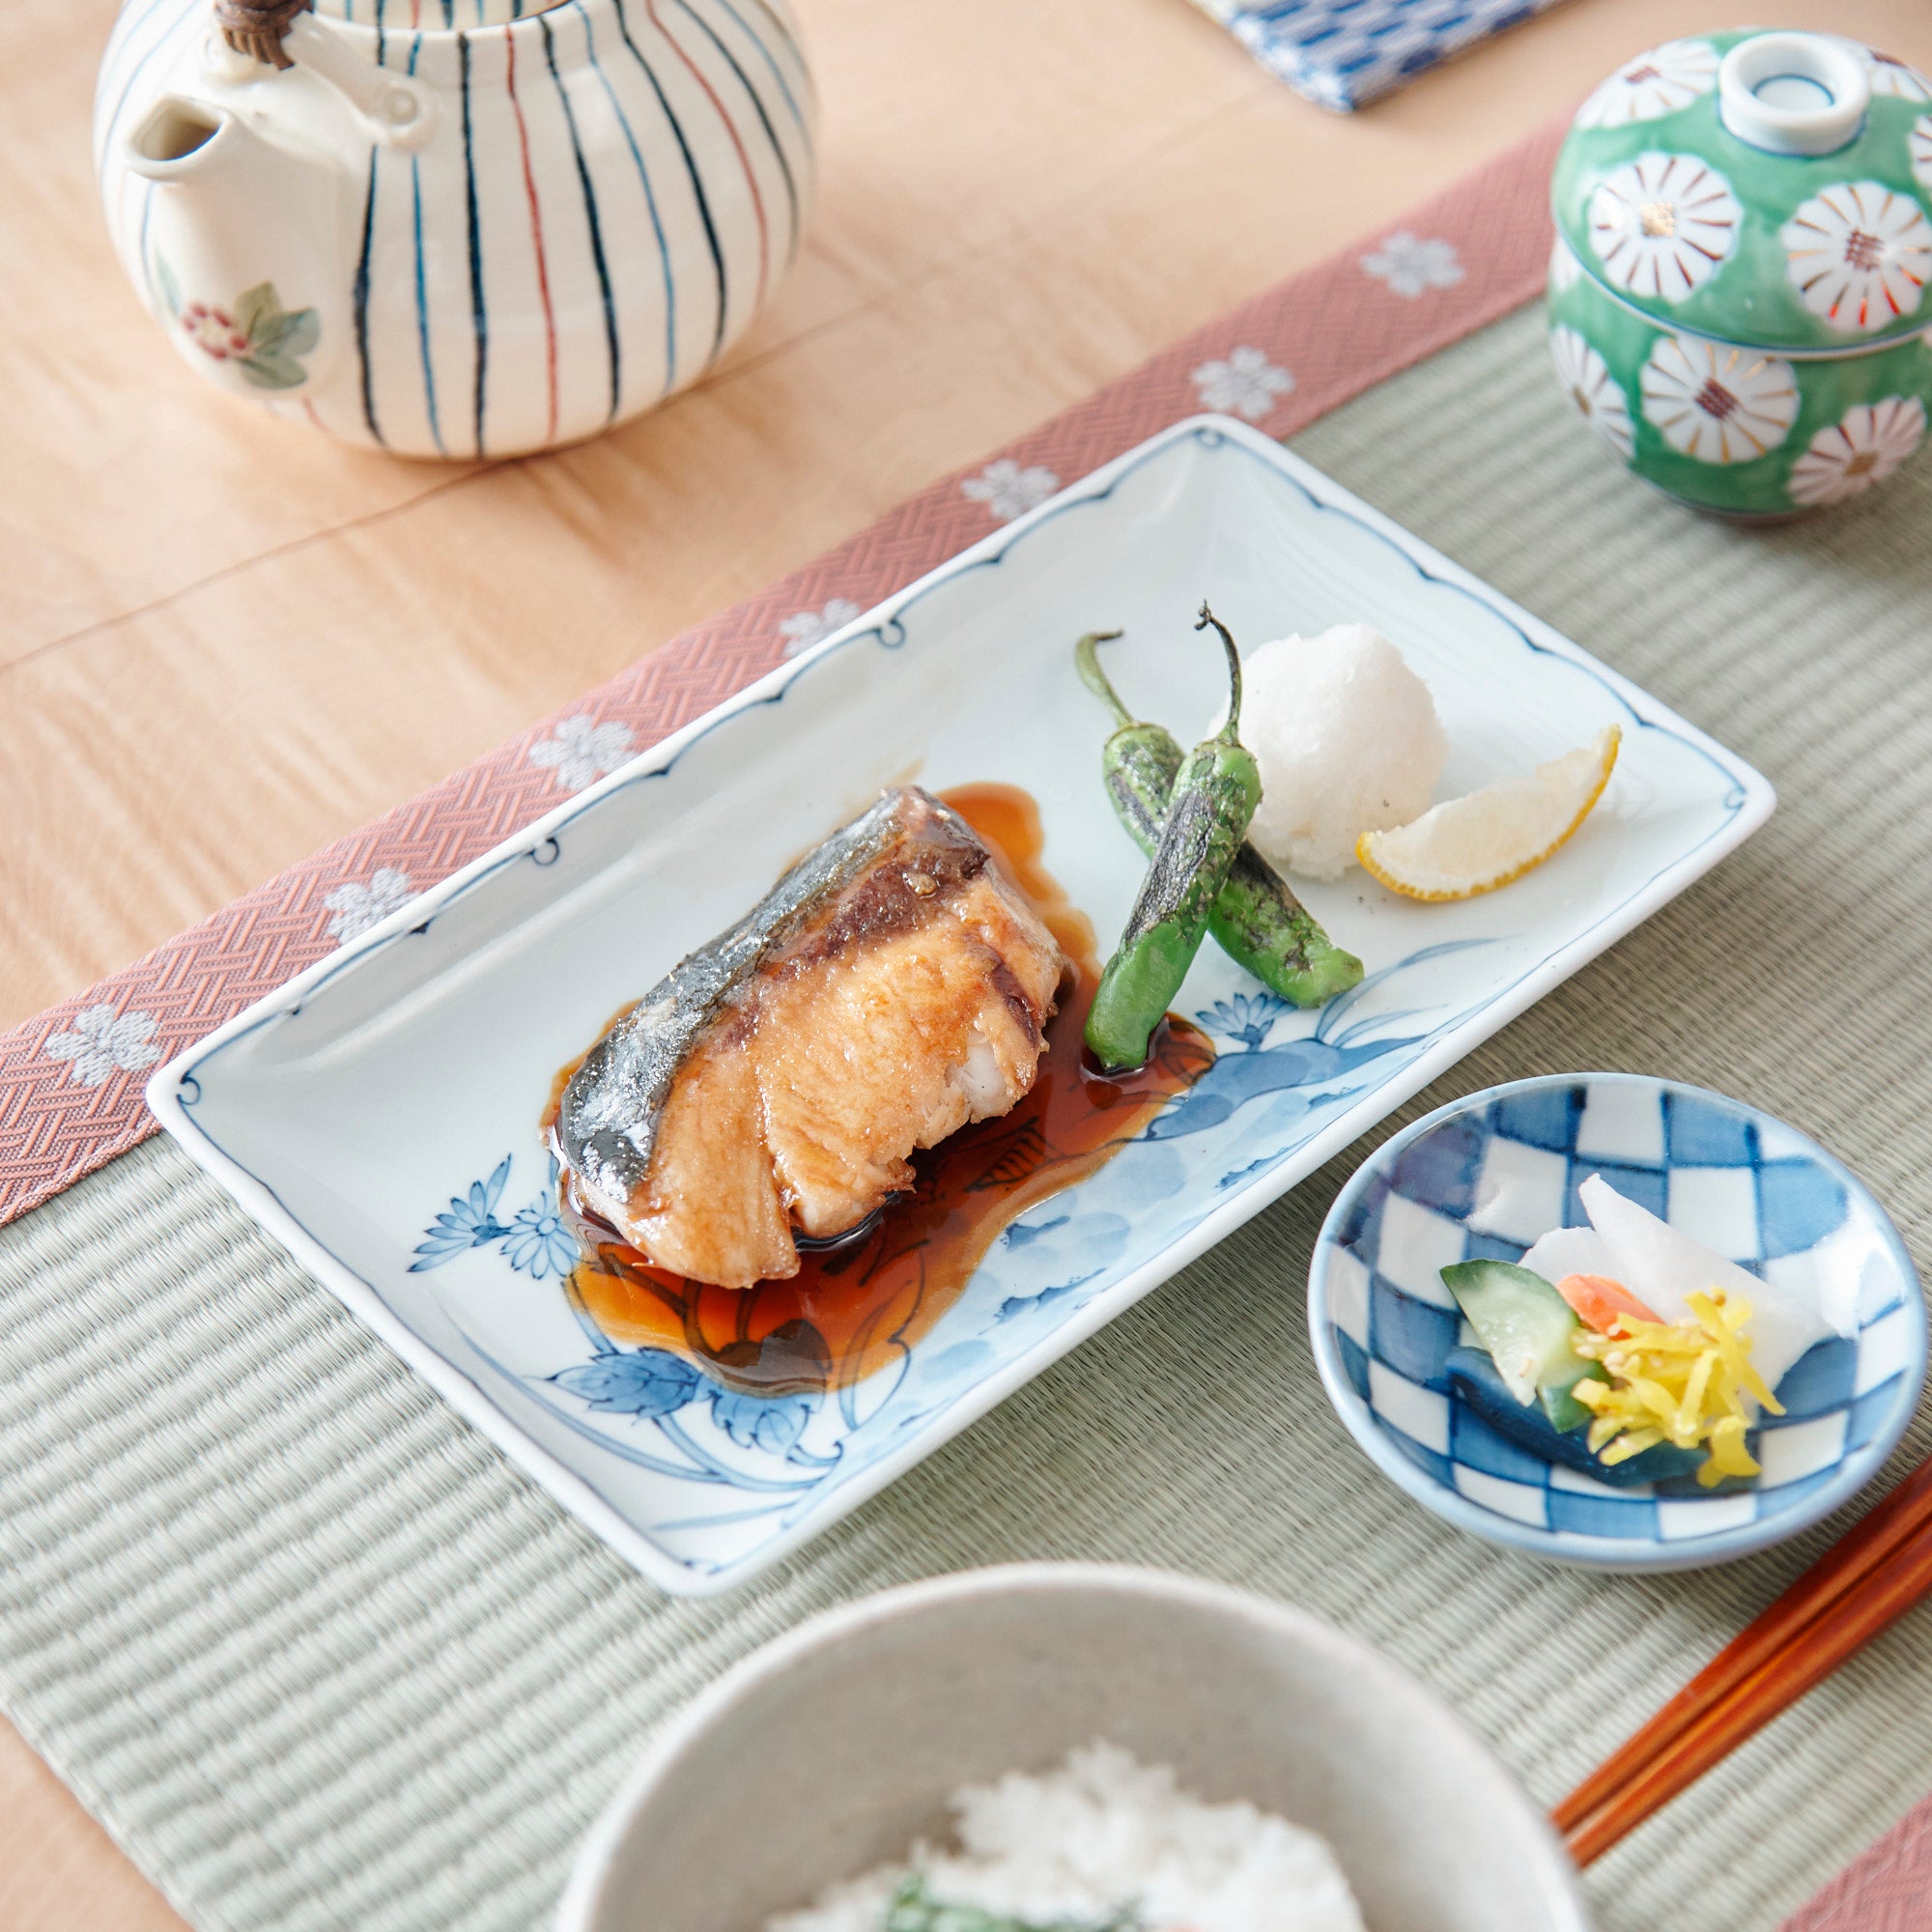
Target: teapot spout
column 245, row 246
column 177, row 137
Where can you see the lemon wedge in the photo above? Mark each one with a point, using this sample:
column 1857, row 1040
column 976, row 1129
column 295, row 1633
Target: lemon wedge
column 1474, row 844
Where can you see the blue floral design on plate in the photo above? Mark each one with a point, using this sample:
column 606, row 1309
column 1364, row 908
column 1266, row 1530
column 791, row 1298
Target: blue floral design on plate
column 535, row 1240
column 778, row 1450
column 470, row 1288
column 646, row 1382
column 538, row 1243
column 469, row 1221
column 1246, row 1017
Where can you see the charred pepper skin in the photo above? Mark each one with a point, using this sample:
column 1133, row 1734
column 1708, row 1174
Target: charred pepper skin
column 1215, row 793
column 1257, row 920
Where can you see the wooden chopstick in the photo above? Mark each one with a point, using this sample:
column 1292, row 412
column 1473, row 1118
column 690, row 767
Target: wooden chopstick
column 1869, row 1577
column 1780, row 1680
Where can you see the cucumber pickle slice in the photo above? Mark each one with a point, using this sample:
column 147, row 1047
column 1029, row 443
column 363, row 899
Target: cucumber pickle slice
column 1523, row 1323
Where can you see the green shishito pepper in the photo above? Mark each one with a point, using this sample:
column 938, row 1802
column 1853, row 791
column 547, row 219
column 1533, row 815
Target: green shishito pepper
column 1257, row 920
column 1214, row 795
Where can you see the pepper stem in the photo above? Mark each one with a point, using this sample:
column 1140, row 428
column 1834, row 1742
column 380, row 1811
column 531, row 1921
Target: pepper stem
column 1229, row 732
column 1087, row 657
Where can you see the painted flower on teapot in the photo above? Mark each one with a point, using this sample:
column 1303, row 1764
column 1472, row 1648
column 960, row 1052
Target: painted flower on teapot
column 1739, row 292
column 455, row 228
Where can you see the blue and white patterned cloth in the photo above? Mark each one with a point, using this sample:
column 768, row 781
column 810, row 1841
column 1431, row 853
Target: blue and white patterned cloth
column 1345, row 52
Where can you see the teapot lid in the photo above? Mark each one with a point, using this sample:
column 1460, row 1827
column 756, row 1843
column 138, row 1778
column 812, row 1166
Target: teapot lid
column 432, row 15
column 1767, row 189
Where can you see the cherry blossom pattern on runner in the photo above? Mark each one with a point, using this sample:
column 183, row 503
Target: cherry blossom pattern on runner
column 1863, row 451
column 1717, row 402
column 1662, row 225
column 358, row 904
column 1565, row 269
column 1010, row 490
column 1654, row 84
column 1918, row 143
column 1245, row 383
column 580, row 750
column 1412, row 267
column 102, row 1042
column 1858, row 254
column 1587, row 381
column 211, row 971
column 804, row 629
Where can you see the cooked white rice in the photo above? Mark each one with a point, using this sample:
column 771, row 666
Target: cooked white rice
column 1347, row 741
column 1102, row 1833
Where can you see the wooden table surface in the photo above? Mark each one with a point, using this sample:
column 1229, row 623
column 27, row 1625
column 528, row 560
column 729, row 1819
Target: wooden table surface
column 224, row 641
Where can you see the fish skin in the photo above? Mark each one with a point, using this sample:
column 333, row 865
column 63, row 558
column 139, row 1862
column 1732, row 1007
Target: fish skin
column 612, row 1108
column 840, row 899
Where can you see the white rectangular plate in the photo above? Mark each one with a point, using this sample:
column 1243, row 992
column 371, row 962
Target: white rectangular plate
column 378, row 1115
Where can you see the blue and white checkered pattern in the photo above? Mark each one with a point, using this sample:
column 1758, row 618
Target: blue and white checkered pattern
column 1487, row 1176
column 1345, row 52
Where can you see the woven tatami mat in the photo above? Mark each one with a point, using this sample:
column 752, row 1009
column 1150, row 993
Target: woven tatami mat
column 321, row 1658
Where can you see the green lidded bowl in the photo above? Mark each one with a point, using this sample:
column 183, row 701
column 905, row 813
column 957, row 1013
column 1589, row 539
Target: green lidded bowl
column 1737, row 295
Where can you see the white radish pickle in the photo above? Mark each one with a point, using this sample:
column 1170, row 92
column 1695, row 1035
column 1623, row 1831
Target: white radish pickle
column 1622, row 1348
column 1666, row 1266
column 1569, row 1251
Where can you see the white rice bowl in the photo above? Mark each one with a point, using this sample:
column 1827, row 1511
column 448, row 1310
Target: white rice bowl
column 1347, row 741
column 1103, row 1835
column 834, row 1749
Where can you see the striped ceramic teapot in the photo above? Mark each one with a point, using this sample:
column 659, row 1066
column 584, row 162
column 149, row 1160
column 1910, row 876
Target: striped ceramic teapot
column 455, row 227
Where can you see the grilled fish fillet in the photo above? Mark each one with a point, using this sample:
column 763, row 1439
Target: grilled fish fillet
column 890, row 988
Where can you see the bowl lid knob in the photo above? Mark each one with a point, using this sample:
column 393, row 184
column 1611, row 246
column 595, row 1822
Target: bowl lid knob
column 1793, row 93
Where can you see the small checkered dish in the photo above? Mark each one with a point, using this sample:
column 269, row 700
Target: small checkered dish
column 1489, row 1175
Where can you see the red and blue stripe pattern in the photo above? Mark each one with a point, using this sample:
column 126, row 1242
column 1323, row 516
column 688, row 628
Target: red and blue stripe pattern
column 612, row 189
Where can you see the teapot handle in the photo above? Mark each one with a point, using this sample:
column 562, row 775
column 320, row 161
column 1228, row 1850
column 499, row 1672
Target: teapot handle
column 282, row 33
column 256, row 28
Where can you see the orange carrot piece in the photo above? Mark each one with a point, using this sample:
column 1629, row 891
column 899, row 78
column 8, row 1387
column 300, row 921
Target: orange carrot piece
column 1599, row 1300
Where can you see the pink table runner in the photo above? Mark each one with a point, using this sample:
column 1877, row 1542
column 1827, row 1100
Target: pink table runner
column 1888, row 1888
column 71, row 1079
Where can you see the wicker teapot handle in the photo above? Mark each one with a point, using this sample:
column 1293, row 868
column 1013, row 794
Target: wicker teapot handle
column 256, row 27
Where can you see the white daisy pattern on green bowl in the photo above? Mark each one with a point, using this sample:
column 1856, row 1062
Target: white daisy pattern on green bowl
column 1651, row 85
column 1662, row 224
column 1587, row 381
column 1890, row 76
column 1860, row 452
column 1744, row 239
column 1859, row 255
column 1717, row 402
column 1919, row 145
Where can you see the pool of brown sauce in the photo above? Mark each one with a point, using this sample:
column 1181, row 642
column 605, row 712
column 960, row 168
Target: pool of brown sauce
column 852, row 1307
